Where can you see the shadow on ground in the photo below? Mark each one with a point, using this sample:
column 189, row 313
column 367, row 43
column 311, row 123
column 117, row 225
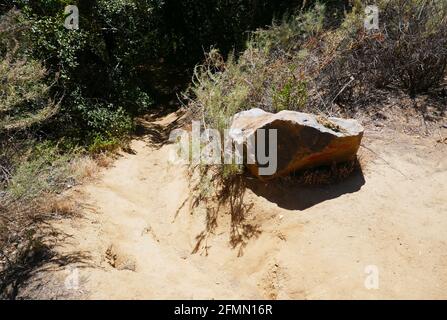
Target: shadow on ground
column 157, row 134
column 298, row 191
column 230, row 200
column 296, row 196
column 34, row 267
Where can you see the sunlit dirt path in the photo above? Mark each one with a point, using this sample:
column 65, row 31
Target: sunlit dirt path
column 300, row 243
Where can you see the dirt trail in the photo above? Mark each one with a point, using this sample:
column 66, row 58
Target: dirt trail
column 300, row 243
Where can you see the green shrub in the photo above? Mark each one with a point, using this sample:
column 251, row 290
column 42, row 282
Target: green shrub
column 92, row 71
column 100, row 144
column 44, row 170
column 97, row 120
column 292, row 95
column 24, row 92
column 290, row 34
column 108, row 122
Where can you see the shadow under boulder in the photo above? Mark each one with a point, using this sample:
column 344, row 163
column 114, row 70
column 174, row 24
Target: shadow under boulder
column 303, row 190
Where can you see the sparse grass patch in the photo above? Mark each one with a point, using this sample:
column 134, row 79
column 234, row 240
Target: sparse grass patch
column 30, row 199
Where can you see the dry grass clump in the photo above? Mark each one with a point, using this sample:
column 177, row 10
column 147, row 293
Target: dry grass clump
column 327, row 174
column 407, row 52
column 62, row 205
column 86, row 168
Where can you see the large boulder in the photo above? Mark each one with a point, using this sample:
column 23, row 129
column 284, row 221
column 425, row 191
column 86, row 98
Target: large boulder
column 303, row 140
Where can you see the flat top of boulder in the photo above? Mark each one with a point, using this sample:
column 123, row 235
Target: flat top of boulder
column 256, row 118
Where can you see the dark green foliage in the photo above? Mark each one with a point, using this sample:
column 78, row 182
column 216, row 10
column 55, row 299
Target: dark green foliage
column 122, row 57
column 220, row 23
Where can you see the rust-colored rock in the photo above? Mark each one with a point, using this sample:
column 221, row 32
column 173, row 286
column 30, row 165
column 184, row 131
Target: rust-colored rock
column 303, row 140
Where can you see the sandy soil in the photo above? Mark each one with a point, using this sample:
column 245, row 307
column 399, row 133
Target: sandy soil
column 296, row 242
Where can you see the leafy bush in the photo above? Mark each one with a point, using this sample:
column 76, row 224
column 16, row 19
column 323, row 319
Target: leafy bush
column 98, row 118
column 24, row 93
column 95, row 79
